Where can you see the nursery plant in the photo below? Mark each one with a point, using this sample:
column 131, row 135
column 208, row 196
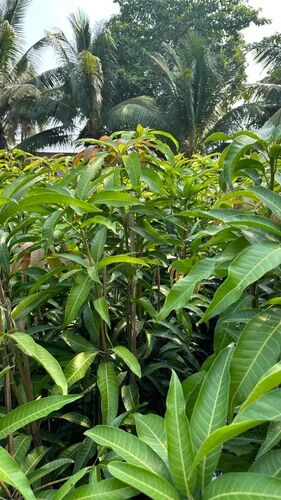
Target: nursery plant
column 122, row 266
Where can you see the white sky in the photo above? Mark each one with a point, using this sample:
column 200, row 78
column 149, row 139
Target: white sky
column 47, row 14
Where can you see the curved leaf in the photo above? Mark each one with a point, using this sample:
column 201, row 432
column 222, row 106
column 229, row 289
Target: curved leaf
column 249, row 266
column 129, row 359
column 151, row 430
column 270, row 380
column 269, row 464
column 77, row 297
column 269, row 198
column 27, row 345
column 244, row 485
column 11, row 474
column 29, row 412
column 147, row 482
column 129, row 447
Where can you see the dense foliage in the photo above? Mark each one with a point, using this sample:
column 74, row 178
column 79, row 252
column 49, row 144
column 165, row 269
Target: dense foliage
column 140, row 320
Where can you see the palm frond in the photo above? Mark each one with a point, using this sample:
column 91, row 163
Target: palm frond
column 268, row 51
column 14, row 12
column 48, row 137
column 128, row 114
column 80, row 24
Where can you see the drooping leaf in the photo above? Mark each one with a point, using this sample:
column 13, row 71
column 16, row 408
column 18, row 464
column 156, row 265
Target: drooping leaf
column 270, row 380
column 147, row 482
column 11, row 474
column 27, row 345
column 182, row 290
column 249, row 266
column 273, row 437
column 98, row 243
column 108, row 489
column 129, row 447
column 69, row 485
column 29, row 412
column 101, row 307
column 115, row 199
column 129, row 359
column 269, row 198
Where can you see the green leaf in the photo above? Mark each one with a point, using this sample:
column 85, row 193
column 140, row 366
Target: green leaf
column 48, row 468
column 115, row 199
column 191, row 386
column 236, row 150
column 29, row 412
column 68, row 486
column 272, row 438
column 244, row 485
column 101, row 307
column 129, row 447
column 109, row 391
column 269, row 198
column 129, row 359
column 210, row 410
column 237, row 219
column 133, row 168
column 88, row 173
column 27, row 345
column 77, row 343
column 78, row 367
column 11, row 474
column 269, row 464
column 21, row 445
column 217, row 136
column 78, row 295
column 151, row 430
column 122, row 259
column 108, row 489
column 270, row 380
column 179, row 443
column 98, row 244
column 31, row 302
column 147, row 482
column 258, row 348
column 249, row 266
column 267, row 407
column 182, row 290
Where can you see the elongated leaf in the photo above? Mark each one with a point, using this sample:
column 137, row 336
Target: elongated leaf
column 244, row 485
column 48, row 468
column 133, row 168
column 249, row 266
column 77, row 342
column 191, row 387
column 88, row 173
column 269, row 464
column 101, row 307
column 238, row 148
column 179, row 443
column 11, row 474
column 129, row 447
column 29, row 303
column 68, row 486
column 129, row 359
column 98, row 244
column 182, row 290
column 270, row 380
column 238, row 219
column 109, row 391
column 151, row 430
column 77, row 297
column 115, row 199
column 258, row 348
column 269, row 198
column 210, row 410
column 273, row 437
column 42, row 356
column 150, row 484
column 77, row 368
column 267, row 406
column 21, row 446
column 122, row 259
column 109, row 489
column 29, row 412
column 44, row 198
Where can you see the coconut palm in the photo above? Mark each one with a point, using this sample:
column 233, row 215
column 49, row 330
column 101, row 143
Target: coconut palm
column 17, row 71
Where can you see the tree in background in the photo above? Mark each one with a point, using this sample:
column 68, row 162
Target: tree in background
column 143, row 26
